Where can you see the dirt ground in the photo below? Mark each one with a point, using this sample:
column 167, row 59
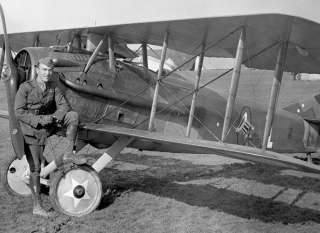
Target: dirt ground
column 164, row 192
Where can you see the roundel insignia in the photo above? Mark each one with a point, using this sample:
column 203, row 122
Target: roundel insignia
column 245, row 126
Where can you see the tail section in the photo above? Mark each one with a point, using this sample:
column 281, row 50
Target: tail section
column 309, row 110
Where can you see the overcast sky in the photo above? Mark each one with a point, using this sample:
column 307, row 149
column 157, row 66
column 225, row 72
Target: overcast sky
column 39, row 15
column 33, row 15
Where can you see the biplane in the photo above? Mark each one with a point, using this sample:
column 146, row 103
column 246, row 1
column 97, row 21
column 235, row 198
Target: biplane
column 123, row 104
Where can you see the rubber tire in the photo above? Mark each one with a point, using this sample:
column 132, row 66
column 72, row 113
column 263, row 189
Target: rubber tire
column 58, row 175
column 4, row 179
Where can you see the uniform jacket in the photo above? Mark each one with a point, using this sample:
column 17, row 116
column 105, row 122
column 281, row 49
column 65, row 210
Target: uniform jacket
column 31, row 97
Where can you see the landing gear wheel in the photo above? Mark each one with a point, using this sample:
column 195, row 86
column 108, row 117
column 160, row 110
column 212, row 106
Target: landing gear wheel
column 11, row 177
column 76, row 192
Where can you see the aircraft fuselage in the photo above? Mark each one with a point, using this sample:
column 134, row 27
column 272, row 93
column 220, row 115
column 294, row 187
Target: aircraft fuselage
column 108, row 97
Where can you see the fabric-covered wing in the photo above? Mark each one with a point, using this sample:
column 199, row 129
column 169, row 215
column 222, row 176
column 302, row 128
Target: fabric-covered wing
column 189, row 25
column 261, row 31
column 207, row 21
column 187, row 35
column 206, row 147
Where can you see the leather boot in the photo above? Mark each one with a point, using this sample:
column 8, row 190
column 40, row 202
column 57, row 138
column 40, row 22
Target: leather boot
column 35, row 191
column 68, row 155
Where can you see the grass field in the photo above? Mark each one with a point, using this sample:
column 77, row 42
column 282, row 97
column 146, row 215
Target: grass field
column 164, row 192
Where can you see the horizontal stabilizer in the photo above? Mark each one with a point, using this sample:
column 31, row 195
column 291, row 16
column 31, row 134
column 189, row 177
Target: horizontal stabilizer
column 313, row 120
column 209, row 147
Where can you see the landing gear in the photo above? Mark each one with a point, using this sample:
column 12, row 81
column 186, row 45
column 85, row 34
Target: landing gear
column 12, row 177
column 76, row 192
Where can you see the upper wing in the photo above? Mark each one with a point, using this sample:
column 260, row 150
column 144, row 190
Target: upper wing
column 199, row 146
column 189, row 24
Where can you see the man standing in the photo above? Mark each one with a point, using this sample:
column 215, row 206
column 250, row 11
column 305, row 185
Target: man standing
column 40, row 105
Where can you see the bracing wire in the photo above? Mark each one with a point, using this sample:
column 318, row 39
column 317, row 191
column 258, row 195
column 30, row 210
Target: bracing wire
column 126, row 48
column 163, row 77
column 268, row 47
column 52, row 147
column 193, row 116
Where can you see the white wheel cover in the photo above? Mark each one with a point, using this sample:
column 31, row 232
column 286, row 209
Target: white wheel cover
column 14, row 176
column 88, row 183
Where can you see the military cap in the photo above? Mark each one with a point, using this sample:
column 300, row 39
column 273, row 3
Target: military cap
column 47, row 61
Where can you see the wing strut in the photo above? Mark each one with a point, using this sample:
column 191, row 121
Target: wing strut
column 77, row 40
column 196, row 87
column 112, row 65
column 94, row 55
column 145, row 60
column 233, row 85
column 274, row 92
column 112, row 152
column 121, row 143
column 156, row 89
column 36, row 42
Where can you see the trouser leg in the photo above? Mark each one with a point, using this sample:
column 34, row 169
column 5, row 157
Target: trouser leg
column 34, row 155
column 71, row 122
column 71, row 134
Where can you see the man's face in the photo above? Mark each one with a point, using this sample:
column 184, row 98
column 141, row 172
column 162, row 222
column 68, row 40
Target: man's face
column 44, row 72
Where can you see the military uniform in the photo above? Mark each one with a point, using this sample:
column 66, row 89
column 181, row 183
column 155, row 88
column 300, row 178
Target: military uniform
column 32, row 104
column 39, row 109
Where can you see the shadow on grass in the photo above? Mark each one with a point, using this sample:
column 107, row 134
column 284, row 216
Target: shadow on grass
column 160, row 182
column 227, row 201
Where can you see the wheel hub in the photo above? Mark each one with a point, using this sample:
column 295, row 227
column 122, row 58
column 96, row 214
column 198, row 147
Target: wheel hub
column 12, row 170
column 79, row 191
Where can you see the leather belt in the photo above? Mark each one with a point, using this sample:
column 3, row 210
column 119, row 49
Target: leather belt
column 37, row 111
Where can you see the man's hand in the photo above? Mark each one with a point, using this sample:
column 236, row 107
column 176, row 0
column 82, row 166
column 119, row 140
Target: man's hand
column 48, row 119
column 55, row 119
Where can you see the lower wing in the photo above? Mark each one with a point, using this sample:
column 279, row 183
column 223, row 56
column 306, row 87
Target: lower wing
column 200, row 146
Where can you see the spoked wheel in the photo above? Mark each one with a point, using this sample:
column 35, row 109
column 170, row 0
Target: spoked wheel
column 76, row 192
column 11, row 177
